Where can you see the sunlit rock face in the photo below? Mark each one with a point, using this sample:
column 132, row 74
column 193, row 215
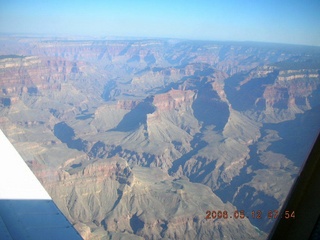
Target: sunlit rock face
column 139, row 139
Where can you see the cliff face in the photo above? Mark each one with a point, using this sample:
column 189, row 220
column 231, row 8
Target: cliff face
column 172, row 100
column 109, row 197
column 138, row 139
column 274, row 94
column 31, row 75
column 292, row 89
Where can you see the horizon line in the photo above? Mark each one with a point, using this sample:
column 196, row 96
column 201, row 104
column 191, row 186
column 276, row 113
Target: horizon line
column 100, row 37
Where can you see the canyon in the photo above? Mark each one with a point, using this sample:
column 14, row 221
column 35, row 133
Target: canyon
column 138, row 139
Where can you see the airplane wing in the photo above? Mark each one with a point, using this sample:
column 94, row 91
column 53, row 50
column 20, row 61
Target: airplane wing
column 26, row 209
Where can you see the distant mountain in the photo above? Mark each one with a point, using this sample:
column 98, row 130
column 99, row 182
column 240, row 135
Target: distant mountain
column 141, row 138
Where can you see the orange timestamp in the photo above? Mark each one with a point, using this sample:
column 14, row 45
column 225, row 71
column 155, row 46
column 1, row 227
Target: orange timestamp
column 255, row 214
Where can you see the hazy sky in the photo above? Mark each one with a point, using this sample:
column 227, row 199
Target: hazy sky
column 284, row 21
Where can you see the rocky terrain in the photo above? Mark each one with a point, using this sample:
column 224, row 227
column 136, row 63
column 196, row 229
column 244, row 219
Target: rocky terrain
column 139, row 139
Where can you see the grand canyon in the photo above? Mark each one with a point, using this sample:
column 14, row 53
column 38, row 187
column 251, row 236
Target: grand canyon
column 140, row 139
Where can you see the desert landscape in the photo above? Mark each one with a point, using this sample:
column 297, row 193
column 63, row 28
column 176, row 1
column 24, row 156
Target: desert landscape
column 139, row 139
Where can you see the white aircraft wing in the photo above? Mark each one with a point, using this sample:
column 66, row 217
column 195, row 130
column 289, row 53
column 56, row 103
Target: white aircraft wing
column 27, row 212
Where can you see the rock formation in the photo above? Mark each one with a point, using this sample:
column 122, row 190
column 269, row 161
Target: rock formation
column 138, row 139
